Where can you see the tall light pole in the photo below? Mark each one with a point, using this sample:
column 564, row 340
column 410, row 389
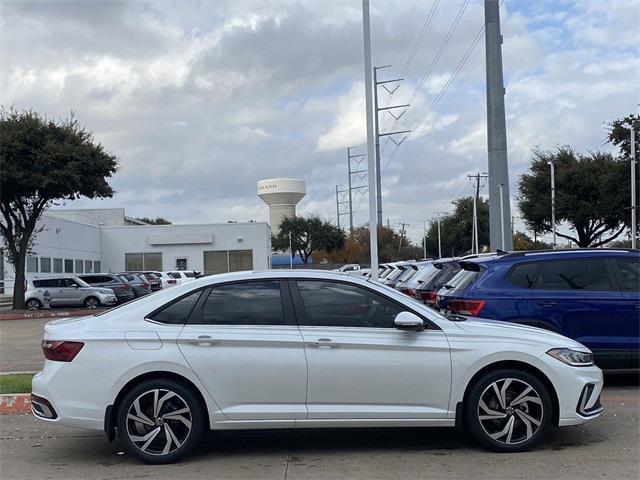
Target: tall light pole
column 553, row 203
column 502, row 232
column 474, row 242
column 633, row 187
column 290, row 252
column 371, row 147
column 439, row 240
column 424, row 239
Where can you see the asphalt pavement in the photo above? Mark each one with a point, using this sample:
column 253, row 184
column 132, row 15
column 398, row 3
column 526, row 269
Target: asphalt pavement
column 20, row 342
column 607, row 447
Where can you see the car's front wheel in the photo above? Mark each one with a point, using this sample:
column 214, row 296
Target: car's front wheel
column 160, row 421
column 508, row 410
column 92, row 302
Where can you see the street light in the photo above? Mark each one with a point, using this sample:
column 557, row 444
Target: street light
column 502, row 215
column 553, row 202
column 633, row 186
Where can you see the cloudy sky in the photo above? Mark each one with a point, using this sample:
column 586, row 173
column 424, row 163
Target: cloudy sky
column 200, row 99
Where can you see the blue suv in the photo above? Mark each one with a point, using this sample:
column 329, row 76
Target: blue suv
column 590, row 295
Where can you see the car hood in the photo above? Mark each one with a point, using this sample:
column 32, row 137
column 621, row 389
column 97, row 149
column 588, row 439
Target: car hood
column 479, row 327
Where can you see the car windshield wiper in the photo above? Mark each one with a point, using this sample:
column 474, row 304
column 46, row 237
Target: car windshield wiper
column 447, row 286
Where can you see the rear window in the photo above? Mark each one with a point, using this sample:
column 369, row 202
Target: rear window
column 439, row 279
column 174, row 274
column 524, row 275
column 462, row 280
column 189, row 274
column 589, row 274
column 629, row 269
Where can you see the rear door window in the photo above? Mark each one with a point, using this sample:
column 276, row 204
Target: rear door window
column 587, row 274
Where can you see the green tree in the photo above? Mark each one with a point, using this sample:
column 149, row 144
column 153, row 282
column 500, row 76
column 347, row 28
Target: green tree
column 522, row 241
column 308, row 234
column 620, row 134
column 456, row 228
column 592, row 192
column 43, row 160
column 154, row 221
column 390, row 249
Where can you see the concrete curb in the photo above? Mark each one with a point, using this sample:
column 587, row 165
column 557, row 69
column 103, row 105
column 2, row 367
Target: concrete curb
column 15, row 403
column 49, row 314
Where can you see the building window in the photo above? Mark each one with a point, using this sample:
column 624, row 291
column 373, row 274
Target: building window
column 32, row 264
column 152, row 261
column 68, row 266
column 240, row 260
column 88, row 266
column 181, row 263
column 135, row 262
column 57, row 265
column 96, row 266
column 79, row 266
column 216, row 262
column 223, row 261
column 45, row 264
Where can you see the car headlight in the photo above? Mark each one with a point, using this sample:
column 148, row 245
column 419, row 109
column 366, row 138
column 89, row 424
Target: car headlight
column 575, row 358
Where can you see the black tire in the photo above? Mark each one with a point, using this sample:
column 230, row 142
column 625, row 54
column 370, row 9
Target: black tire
column 131, row 431
column 33, row 304
column 516, row 430
column 91, row 302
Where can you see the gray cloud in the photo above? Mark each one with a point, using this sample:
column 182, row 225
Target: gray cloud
column 201, row 99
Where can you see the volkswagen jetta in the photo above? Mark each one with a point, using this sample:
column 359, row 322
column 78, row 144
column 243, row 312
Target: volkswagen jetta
column 298, row 349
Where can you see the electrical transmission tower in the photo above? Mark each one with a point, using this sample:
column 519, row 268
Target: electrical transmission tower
column 389, row 110
column 345, row 197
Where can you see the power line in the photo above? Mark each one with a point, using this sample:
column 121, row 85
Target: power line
column 406, row 29
column 443, row 46
column 434, row 61
column 421, row 35
column 452, row 77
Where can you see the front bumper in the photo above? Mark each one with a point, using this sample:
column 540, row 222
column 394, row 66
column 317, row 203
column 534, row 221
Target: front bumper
column 579, row 390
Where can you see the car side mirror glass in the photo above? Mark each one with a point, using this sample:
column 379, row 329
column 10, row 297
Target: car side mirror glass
column 409, row 322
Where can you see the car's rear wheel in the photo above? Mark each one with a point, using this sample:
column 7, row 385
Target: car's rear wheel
column 33, row 304
column 508, row 410
column 92, row 302
column 160, row 421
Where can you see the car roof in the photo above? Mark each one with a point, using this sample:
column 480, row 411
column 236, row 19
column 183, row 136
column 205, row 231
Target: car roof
column 514, row 257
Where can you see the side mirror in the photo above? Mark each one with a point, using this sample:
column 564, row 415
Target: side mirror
column 409, row 322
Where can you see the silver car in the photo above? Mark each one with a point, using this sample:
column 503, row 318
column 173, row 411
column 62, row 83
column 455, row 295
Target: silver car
column 66, row 291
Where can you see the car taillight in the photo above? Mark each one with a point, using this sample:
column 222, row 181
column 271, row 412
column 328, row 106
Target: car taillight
column 146, row 285
column 428, row 296
column 409, row 291
column 466, row 307
column 126, row 286
column 61, row 351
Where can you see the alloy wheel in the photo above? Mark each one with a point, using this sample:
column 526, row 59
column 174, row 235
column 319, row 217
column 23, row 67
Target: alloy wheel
column 91, row 303
column 33, row 304
column 159, row 422
column 510, row 411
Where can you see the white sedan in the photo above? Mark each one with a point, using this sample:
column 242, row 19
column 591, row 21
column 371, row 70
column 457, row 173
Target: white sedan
column 304, row 349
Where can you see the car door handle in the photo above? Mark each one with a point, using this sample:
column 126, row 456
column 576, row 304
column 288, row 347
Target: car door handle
column 203, row 341
column 546, row 303
column 325, row 343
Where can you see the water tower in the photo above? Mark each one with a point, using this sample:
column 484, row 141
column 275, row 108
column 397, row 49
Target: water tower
column 282, row 195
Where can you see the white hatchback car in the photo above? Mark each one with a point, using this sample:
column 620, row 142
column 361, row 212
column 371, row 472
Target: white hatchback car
column 304, row 349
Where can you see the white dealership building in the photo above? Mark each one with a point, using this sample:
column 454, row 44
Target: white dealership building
column 106, row 240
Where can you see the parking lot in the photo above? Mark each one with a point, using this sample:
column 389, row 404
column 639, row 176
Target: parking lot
column 605, row 448
column 32, row 449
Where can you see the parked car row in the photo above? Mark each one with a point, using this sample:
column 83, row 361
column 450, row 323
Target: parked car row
column 589, row 295
column 93, row 290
